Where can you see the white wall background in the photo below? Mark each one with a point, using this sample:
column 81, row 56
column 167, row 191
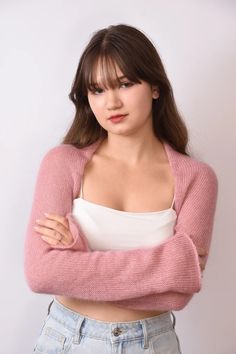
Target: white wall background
column 40, row 44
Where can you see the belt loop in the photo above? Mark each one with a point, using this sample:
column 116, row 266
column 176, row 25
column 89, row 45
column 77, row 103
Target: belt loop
column 50, row 306
column 146, row 339
column 174, row 320
column 77, row 336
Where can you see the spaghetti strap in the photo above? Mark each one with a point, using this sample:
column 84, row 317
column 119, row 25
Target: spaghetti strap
column 81, row 188
column 172, row 202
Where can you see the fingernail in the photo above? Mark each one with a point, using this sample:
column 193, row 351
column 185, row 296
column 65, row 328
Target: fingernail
column 46, row 214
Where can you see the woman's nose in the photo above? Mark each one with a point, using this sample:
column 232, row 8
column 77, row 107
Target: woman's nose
column 113, row 100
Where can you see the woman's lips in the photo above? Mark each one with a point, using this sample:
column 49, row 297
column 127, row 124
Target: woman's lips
column 117, row 119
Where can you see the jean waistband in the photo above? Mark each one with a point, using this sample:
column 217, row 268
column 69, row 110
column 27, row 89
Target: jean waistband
column 80, row 324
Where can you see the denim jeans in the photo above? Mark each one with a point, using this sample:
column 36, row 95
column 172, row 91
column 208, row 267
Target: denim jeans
column 66, row 331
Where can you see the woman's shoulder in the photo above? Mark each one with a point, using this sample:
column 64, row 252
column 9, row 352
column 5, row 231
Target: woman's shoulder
column 195, row 167
column 65, row 153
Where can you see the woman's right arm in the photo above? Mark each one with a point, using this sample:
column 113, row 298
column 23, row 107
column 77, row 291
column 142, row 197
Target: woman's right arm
column 172, row 266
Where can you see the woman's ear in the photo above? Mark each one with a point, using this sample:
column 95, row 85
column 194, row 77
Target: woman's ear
column 155, row 92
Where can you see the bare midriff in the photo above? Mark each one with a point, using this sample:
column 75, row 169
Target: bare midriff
column 104, row 311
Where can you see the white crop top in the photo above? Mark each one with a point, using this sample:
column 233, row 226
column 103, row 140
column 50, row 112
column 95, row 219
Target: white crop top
column 110, row 229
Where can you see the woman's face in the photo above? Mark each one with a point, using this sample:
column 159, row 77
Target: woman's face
column 132, row 99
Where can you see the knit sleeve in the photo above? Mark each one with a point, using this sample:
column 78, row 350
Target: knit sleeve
column 169, row 267
column 161, row 302
column 54, row 194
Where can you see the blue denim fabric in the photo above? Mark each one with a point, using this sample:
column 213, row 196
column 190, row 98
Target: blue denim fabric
column 66, row 331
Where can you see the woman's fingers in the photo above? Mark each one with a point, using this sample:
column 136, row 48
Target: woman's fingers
column 51, row 228
column 201, row 251
column 54, row 237
column 53, row 242
column 50, row 240
column 48, row 232
column 201, row 254
column 55, row 229
column 202, row 265
column 58, row 218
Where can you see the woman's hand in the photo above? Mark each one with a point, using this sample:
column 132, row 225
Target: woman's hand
column 54, row 230
column 201, row 255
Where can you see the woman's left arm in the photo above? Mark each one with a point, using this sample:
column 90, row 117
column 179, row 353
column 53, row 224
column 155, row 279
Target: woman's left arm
column 172, row 266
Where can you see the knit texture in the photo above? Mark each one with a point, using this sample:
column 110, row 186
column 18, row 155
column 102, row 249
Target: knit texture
column 163, row 277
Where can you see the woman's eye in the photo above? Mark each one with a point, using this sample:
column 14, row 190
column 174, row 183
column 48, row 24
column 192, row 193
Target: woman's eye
column 98, row 90
column 127, row 84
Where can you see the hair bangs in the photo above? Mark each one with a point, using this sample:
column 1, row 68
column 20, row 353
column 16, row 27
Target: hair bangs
column 102, row 72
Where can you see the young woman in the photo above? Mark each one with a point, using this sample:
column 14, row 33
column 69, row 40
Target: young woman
column 112, row 248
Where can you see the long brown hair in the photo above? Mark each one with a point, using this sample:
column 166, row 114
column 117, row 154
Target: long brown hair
column 137, row 59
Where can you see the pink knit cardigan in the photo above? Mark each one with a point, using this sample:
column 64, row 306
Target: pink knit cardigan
column 163, row 277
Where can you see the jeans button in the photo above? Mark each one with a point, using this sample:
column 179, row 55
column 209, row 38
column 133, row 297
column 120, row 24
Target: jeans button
column 117, row 331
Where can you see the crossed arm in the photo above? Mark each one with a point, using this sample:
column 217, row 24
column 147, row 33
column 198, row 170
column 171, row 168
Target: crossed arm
column 162, row 273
